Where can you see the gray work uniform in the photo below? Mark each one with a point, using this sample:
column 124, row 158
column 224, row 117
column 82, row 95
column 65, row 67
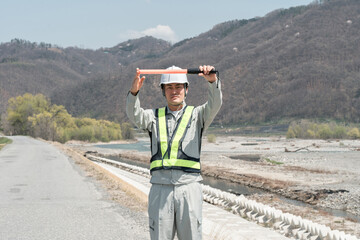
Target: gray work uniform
column 175, row 198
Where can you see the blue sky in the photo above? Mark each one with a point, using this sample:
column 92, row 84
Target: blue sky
column 105, row 23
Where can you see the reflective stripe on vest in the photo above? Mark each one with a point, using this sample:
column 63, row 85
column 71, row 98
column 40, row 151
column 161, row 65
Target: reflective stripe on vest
column 169, row 154
column 162, row 131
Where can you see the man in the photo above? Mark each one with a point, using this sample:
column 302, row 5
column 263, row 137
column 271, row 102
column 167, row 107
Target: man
column 175, row 198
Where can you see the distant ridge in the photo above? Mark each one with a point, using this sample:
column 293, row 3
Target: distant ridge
column 301, row 62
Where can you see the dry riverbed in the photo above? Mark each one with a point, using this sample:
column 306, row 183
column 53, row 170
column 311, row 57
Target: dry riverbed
column 322, row 174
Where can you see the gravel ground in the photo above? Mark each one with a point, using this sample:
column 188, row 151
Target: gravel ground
column 330, row 170
column 322, row 173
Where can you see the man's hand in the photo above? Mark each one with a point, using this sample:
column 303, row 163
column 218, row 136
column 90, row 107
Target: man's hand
column 206, row 69
column 137, row 83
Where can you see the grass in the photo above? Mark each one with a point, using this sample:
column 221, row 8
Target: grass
column 273, row 162
column 211, row 138
column 308, row 129
column 4, row 141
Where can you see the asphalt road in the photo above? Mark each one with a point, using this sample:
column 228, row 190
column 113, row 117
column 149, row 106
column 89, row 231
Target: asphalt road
column 43, row 195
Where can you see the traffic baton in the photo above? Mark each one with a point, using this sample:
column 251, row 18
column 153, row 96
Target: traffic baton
column 174, row 71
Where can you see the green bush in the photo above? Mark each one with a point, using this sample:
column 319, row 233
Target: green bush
column 354, row 133
column 309, row 130
column 324, row 132
column 339, row 132
column 211, row 138
column 35, row 116
column 290, row 133
column 63, row 135
column 310, row 133
column 127, row 131
column 85, row 133
column 4, row 141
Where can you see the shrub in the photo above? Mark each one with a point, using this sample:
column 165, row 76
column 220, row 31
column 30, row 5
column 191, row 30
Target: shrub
column 306, row 129
column 35, row 116
column 127, row 131
column 311, row 133
column 211, row 138
column 290, row 133
column 354, row 133
column 324, row 132
column 85, row 133
column 339, row 132
column 63, row 134
column 4, row 141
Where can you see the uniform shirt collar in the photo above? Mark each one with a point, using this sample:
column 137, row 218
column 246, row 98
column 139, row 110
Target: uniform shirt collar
column 176, row 113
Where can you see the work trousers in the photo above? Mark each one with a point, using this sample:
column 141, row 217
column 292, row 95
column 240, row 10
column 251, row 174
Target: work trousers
column 175, row 208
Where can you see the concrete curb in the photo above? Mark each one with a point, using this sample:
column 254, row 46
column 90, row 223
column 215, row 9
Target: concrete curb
column 287, row 224
column 132, row 186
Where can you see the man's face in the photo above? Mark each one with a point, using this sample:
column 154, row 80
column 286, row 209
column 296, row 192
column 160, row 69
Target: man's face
column 174, row 93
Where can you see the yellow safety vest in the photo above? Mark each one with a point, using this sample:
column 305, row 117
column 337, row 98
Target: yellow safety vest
column 170, row 154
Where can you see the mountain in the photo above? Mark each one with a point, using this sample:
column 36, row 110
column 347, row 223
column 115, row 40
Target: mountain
column 42, row 68
column 301, row 62
column 137, row 49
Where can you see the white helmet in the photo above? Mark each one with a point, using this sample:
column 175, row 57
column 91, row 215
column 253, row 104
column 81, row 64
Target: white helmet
column 173, row 78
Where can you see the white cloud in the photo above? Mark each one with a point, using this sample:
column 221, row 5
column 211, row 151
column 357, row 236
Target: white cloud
column 160, row 31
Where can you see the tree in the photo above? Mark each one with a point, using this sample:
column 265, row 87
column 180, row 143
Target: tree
column 1, row 123
column 23, row 107
column 35, row 116
column 43, row 126
column 127, row 131
column 62, row 117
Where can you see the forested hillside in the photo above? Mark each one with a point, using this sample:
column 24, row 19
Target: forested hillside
column 301, row 62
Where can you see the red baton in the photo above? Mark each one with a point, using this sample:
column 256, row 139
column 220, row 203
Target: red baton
column 174, row 71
